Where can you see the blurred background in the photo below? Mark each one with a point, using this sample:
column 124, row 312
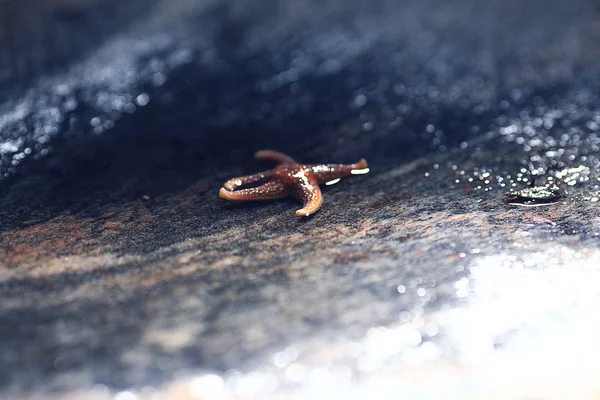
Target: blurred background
column 123, row 276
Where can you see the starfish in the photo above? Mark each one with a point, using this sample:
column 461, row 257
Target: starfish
column 289, row 178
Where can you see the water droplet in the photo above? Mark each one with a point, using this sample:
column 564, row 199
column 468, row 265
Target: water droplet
column 142, row 99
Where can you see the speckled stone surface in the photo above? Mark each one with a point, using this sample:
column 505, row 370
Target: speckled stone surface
column 123, row 276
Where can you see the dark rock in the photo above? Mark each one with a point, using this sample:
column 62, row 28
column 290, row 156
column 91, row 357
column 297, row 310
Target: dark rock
column 120, row 268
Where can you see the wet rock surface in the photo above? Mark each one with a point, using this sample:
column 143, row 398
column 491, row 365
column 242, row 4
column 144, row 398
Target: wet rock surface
column 122, row 273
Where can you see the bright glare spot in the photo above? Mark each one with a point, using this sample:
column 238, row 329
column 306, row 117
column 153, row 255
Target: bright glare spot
column 360, row 100
column 462, row 287
column 295, row 372
column 360, row 171
column 254, row 384
column 100, row 391
column 332, row 182
column 319, row 377
column 385, row 342
column 142, row 99
column 10, row 146
column 209, row 386
column 95, row 121
column 126, row 395
column 283, row 358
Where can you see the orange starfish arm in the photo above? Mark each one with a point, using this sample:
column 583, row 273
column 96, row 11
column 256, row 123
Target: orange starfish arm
column 243, row 181
column 269, row 191
column 310, row 194
column 329, row 172
column 289, row 177
column 274, row 156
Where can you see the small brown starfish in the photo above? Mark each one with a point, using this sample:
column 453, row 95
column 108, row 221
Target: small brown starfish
column 289, row 178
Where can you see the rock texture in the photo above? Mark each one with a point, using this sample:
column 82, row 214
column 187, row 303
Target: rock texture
column 122, row 275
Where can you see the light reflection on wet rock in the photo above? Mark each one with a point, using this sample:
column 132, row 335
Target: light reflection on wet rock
column 536, row 195
column 121, row 275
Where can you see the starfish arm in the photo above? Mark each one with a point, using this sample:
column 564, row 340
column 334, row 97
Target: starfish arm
column 329, row 172
column 274, row 156
column 310, row 194
column 242, row 181
column 269, row 191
